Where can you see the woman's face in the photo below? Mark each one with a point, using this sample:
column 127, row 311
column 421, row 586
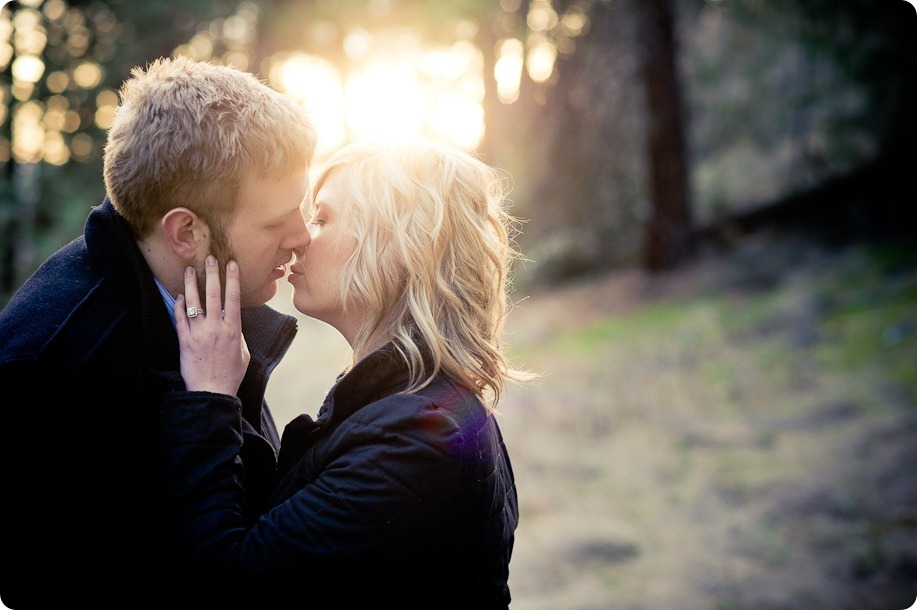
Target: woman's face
column 315, row 276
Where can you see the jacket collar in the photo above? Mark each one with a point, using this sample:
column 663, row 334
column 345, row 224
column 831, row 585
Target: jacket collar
column 114, row 254
column 380, row 374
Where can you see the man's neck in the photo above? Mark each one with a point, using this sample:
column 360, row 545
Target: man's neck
column 167, row 268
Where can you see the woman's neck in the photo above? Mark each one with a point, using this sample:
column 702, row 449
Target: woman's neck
column 375, row 341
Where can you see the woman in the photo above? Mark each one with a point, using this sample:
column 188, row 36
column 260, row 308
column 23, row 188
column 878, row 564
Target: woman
column 401, row 490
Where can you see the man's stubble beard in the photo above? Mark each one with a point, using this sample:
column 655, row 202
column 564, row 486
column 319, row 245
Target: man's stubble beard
column 221, row 249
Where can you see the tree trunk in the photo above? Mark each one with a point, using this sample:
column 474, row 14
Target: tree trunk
column 584, row 186
column 669, row 235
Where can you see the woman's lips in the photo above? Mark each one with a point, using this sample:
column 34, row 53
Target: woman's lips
column 296, row 267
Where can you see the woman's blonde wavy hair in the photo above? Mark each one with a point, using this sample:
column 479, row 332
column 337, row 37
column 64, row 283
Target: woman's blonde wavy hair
column 433, row 258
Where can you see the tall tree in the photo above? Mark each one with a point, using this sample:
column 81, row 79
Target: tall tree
column 614, row 186
column 669, row 232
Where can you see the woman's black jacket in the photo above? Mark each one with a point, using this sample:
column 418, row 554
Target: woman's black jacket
column 387, row 497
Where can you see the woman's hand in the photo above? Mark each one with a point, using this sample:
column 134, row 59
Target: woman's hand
column 214, row 355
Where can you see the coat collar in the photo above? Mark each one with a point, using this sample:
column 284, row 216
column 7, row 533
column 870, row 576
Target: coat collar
column 114, row 254
column 380, row 374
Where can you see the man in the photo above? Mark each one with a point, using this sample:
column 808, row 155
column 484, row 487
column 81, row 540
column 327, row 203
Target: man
column 201, row 159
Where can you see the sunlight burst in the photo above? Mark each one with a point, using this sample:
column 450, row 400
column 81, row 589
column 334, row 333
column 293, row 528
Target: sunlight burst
column 435, row 93
column 385, row 101
column 314, row 83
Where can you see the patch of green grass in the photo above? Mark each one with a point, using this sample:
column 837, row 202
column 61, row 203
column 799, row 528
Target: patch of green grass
column 718, row 372
column 739, row 313
column 873, row 323
column 660, row 318
column 774, row 355
column 856, row 314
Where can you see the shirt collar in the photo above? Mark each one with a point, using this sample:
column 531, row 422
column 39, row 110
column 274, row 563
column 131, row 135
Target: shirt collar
column 167, row 298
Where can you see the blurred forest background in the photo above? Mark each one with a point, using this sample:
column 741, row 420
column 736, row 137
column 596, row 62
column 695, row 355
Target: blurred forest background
column 633, row 131
column 719, row 216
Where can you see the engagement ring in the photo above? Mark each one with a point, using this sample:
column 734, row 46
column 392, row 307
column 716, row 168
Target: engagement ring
column 193, row 312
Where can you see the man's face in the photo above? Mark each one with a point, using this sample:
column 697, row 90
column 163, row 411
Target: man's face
column 267, row 229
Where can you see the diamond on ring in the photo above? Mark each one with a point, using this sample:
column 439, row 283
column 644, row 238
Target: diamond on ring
column 194, row 312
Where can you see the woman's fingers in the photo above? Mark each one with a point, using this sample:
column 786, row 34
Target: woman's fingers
column 193, row 305
column 232, row 312
column 183, row 306
column 181, row 317
column 232, row 308
column 212, row 290
column 214, row 355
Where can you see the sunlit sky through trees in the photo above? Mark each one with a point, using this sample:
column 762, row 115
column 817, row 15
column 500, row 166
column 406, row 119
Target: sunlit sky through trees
column 402, row 93
column 397, row 85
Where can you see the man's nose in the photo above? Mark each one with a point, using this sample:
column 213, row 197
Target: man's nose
column 302, row 238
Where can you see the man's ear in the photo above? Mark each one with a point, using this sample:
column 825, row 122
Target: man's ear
column 185, row 233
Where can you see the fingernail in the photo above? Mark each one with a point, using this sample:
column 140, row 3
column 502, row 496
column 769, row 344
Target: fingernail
column 233, row 266
column 189, row 271
column 179, row 298
column 211, row 260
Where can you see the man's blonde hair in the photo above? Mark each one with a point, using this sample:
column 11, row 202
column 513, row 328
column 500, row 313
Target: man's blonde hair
column 188, row 133
column 433, row 260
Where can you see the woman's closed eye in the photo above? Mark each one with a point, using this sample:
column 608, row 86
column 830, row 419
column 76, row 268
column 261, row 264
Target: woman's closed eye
column 317, row 216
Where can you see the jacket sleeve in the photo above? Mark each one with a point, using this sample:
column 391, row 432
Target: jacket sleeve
column 386, row 478
column 200, row 438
